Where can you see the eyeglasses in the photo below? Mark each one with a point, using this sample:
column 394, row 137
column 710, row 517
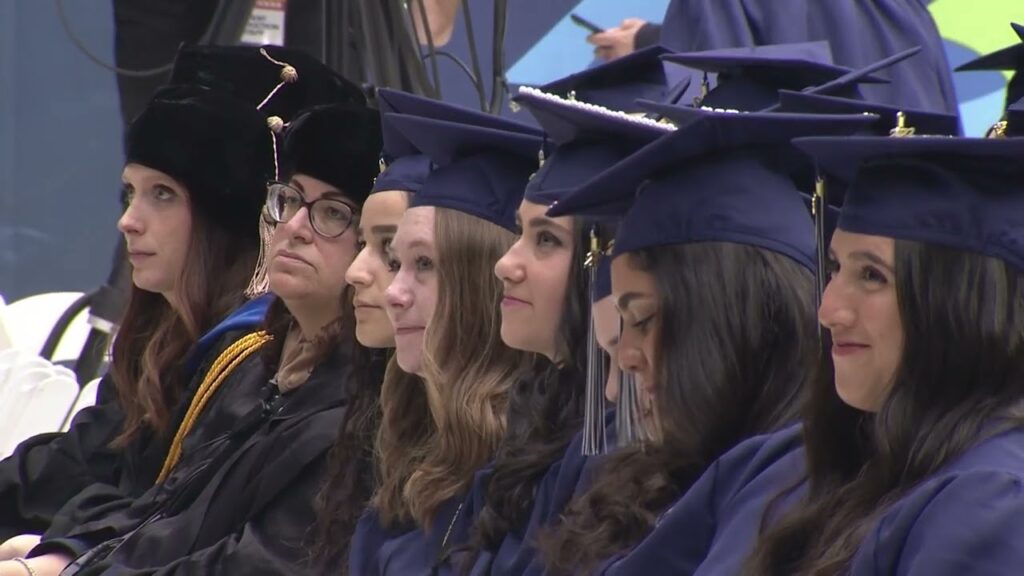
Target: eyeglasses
column 329, row 217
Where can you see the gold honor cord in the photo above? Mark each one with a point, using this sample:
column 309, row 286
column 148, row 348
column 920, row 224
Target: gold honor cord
column 224, row 365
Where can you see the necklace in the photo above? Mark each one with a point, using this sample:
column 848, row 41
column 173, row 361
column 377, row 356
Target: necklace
column 448, row 533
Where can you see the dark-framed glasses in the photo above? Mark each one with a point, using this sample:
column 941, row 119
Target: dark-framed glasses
column 329, row 217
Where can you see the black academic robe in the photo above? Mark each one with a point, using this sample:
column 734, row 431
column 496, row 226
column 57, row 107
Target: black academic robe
column 242, row 498
column 51, row 478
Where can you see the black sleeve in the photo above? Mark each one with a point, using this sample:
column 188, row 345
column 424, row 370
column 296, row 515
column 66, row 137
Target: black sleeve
column 648, row 35
column 47, row 470
column 271, row 542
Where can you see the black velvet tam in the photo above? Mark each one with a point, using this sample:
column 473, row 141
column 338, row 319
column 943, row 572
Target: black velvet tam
column 244, row 72
column 217, row 146
column 339, row 144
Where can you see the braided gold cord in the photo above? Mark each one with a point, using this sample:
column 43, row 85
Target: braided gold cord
column 225, row 363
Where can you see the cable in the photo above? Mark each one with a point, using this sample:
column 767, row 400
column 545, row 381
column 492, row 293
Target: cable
column 462, row 65
column 474, row 58
column 145, row 73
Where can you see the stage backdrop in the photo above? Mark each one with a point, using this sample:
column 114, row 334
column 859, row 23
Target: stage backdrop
column 60, row 148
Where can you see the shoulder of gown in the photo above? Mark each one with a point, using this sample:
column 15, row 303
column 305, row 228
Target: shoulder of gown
column 733, row 492
column 968, row 519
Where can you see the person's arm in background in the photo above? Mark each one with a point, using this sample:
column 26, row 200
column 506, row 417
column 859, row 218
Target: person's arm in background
column 440, row 19
column 625, row 38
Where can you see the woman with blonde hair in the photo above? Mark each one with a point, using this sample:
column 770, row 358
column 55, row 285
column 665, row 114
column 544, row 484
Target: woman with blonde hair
column 444, row 307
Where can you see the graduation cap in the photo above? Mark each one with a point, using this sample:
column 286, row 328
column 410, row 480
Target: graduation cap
column 1015, row 119
column 217, row 146
column 402, row 166
column 962, row 193
column 480, row 171
column 616, row 84
column 749, row 78
column 722, row 177
column 336, row 143
column 1012, row 124
column 295, row 79
column 396, row 101
column 924, row 122
column 588, row 139
column 1010, row 58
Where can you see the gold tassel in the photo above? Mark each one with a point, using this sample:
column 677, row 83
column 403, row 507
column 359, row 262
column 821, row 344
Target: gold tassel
column 997, row 130
column 901, row 130
column 259, row 284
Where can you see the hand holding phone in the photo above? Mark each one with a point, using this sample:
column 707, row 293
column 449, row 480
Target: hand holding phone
column 585, row 24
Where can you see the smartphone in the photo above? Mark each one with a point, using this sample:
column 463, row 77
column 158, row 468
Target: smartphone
column 584, row 23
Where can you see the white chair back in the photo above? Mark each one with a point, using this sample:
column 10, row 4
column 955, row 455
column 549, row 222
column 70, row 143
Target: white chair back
column 5, row 338
column 30, row 320
column 39, row 402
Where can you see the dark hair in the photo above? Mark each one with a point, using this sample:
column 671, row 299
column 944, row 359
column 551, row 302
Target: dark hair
column 961, row 367
column 350, row 474
column 545, row 411
column 154, row 337
column 736, row 340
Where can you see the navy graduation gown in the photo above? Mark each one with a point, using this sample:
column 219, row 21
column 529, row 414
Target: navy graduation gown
column 379, row 551
column 966, row 520
column 554, row 492
column 860, row 32
column 720, row 515
column 47, row 472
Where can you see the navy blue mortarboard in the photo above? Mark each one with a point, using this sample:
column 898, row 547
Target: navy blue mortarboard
column 251, row 73
column 962, row 193
column 398, row 102
column 924, row 122
column 402, row 165
column 1014, row 126
column 478, row 170
column 588, row 140
column 749, row 78
column 1010, row 58
column 725, row 177
column 616, row 84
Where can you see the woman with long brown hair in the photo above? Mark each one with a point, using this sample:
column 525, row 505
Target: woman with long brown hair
column 912, row 432
column 547, row 276
column 351, row 477
column 193, row 186
column 712, row 273
column 722, row 512
column 239, row 495
column 444, row 307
